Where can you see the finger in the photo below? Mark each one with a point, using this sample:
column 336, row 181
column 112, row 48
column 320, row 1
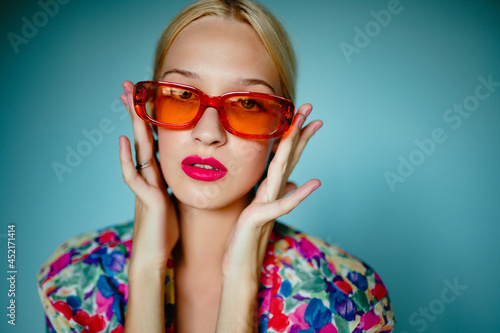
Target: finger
column 136, row 183
column 127, row 97
column 289, row 187
column 278, row 168
column 143, row 135
column 285, row 205
column 306, row 133
column 260, row 195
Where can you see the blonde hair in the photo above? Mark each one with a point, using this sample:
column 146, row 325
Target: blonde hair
column 270, row 31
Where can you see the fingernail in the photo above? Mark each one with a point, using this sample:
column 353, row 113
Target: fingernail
column 317, row 127
column 316, row 187
column 308, row 112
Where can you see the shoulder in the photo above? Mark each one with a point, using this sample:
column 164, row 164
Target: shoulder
column 83, row 284
column 320, row 285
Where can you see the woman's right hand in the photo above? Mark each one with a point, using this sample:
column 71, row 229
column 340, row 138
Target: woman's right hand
column 156, row 228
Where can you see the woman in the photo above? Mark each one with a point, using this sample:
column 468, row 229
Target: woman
column 197, row 214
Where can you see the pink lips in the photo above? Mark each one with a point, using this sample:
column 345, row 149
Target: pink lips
column 207, row 169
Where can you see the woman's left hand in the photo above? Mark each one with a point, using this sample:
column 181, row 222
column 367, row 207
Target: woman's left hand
column 247, row 244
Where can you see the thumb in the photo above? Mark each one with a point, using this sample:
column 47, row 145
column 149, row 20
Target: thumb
column 273, row 210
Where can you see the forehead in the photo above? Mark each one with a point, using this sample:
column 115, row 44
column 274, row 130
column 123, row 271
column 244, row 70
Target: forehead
column 217, row 48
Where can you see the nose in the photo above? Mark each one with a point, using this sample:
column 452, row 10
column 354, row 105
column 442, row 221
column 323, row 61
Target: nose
column 209, row 129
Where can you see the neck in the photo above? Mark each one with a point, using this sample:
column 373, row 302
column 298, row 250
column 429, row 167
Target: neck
column 204, row 234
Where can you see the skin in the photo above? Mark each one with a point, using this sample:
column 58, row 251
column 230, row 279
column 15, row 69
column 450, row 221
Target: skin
column 215, row 66
column 217, row 228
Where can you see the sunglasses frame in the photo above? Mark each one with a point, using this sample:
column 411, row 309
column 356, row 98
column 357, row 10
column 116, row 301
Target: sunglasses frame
column 143, row 91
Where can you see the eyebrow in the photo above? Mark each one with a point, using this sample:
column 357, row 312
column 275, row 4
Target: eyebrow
column 252, row 82
column 241, row 81
column 182, row 72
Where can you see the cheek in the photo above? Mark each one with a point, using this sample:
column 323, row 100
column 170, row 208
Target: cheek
column 251, row 157
column 245, row 160
column 167, row 143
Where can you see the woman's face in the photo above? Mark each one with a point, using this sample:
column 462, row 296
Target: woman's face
column 215, row 56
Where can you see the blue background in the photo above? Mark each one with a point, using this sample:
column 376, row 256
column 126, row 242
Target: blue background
column 441, row 224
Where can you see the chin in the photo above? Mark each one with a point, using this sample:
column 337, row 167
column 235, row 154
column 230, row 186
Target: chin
column 212, row 195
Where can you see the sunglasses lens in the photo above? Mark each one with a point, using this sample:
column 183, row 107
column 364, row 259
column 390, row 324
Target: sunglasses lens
column 253, row 115
column 172, row 105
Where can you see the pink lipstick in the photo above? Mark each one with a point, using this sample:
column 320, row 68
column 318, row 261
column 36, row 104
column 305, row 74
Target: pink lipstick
column 206, row 169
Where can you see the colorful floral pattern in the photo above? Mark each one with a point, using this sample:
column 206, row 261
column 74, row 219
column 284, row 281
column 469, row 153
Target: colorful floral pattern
column 306, row 286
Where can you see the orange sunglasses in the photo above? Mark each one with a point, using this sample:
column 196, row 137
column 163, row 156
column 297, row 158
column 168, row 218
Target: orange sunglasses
column 245, row 114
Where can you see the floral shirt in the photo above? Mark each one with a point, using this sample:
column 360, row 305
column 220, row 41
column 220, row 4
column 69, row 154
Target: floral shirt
column 306, row 286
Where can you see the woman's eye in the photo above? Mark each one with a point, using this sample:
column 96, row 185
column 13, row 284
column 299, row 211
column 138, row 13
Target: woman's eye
column 185, row 94
column 178, row 94
column 249, row 104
